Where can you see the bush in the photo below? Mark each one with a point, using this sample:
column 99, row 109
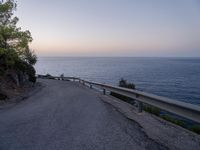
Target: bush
column 8, row 58
column 173, row 120
column 49, row 76
column 27, row 69
column 122, row 97
column 195, row 128
column 123, row 83
column 31, row 73
column 153, row 110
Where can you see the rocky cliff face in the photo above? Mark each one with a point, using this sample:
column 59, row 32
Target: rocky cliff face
column 12, row 83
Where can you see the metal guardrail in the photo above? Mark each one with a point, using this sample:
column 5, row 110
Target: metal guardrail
column 57, row 77
column 183, row 109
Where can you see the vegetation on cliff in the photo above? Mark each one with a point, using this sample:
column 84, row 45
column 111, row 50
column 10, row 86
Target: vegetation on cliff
column 16, row 58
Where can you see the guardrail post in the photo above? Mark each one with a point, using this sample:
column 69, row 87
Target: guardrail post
column 104, row 91
column 140, row 105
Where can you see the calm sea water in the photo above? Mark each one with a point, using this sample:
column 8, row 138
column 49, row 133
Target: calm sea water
column 177, row 78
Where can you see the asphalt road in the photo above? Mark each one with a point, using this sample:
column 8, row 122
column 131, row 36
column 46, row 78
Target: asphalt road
column 68, row 116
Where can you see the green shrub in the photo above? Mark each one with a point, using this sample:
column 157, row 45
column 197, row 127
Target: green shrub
column 153, row 110
column 173, row 120
column 123, row 83
column 27, row 69
column 8, row 58
column 122, row 97
column 195, row 128
column 49, row 76
column 31, row 73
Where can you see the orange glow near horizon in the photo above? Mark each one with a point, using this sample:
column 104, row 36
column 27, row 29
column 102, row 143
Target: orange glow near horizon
column 133, row 28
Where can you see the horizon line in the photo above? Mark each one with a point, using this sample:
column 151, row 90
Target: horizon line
column 121, row 56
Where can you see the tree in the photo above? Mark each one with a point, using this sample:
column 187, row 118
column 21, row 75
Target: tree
column 14, row 43
column 11, row 36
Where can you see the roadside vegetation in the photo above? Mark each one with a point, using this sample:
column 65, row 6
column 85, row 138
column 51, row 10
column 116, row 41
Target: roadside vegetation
column 187, row 124
column 16, row 58
column 123, row 83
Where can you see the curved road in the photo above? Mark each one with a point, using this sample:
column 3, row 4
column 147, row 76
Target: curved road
column 68, row 116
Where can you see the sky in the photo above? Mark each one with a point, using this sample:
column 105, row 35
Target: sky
column 134, row 28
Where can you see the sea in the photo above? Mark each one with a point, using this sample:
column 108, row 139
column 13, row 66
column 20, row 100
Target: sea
column 176, row 78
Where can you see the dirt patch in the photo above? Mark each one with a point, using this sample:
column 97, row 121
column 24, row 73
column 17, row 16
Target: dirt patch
column 13, row 83
column 20, row 94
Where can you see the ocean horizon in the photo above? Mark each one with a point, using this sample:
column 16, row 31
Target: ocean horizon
column 173, row 77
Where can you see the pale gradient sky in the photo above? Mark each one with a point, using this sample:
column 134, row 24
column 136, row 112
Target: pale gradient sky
column 112, row 27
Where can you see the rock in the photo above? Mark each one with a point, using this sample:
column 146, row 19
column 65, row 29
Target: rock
column 12, row 83
column 3, row 96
